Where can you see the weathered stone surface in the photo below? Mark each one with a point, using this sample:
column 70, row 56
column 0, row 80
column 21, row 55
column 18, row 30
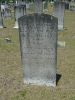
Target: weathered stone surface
column 1, row 20
column 72, row 6
column 20, row 10
column 38, row 6
column 38, row 39
column 59, row 13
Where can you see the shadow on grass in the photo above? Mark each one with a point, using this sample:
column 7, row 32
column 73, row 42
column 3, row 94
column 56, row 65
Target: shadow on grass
column 58, row 76
column 4, row 27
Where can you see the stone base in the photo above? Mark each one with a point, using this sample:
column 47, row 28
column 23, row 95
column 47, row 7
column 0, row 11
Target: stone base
column 16, row 25
column 45, row 10
column 60, row 27
column 61, row 43
column 39, row 82
column 1, row 27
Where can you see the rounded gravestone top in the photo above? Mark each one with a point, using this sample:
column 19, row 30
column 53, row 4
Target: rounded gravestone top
column 19, row 5
column 43, row 16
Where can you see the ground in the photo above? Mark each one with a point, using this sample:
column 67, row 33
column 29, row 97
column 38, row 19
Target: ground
column 11, row 70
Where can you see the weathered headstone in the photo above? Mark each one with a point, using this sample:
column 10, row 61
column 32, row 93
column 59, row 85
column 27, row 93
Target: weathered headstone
column 46, row 4
column 38, row 39
column 20, row 1
column 1, row 20
column 58, row 12
column 67, row 5
column 72, row 6
column 20, row 10
column 38, row 6
column 7, row 11
column 3, row 10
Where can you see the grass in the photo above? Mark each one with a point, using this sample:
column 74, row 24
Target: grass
column 11, row 71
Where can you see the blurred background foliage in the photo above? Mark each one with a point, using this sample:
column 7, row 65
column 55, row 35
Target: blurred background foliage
column 8, row 1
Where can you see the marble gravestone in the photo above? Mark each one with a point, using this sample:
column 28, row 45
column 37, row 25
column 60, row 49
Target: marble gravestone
column 20, row 1
column 46, row 4
column 20, row 10
column 7, row 11
column 58, row 12
column 38, row 41
column 38, row 6
column 1, row 19
column 3, row 10
column 72, row 5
